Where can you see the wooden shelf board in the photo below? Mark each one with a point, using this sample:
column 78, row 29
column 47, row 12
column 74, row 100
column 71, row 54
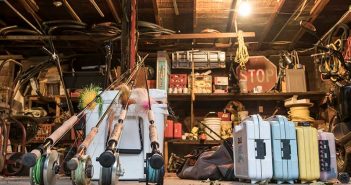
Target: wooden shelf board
column 313, row 95
column 193, row 142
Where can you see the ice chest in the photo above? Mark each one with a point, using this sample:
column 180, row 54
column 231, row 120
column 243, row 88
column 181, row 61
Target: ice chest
column 327, row 156
column 307, row 146
column 252, row 150
column 284, row 146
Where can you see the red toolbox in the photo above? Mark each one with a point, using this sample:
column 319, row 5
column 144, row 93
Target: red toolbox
column 178, row 80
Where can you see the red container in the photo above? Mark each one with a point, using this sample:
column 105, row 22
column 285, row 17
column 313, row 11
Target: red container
column 169, row 129
column 177, row 130
column 178, row 80
column 224, row 116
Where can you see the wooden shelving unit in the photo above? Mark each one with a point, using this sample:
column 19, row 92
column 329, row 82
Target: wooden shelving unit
column 313, row 95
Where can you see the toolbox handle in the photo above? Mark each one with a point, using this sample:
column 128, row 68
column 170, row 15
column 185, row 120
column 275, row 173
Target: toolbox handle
column 260, row 149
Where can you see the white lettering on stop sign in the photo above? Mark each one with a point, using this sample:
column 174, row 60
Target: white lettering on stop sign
column 259, row 75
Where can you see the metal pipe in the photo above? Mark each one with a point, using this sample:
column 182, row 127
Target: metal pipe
column 26, row 20
column 113, row 10
column 97, row 8
column 71, row 11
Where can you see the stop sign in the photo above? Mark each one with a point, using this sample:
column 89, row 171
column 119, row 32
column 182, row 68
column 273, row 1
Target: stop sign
column 259, row 72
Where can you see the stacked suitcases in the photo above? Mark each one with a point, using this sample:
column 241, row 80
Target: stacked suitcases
column 285, row 161
column 277, row 149
column 252, row 150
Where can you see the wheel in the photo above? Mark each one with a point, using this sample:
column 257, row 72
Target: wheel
column 154, row 176
column 14, row 165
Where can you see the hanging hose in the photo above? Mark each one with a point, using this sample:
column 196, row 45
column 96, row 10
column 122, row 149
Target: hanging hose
column 242, row 55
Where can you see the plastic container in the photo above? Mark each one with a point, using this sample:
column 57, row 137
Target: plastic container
column 327, row 156
column 169, row 129
column 177, row 134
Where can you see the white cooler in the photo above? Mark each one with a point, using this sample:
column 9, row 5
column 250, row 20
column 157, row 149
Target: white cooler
column 132, row 164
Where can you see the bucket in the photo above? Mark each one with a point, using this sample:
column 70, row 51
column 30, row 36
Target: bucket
column 215, row 125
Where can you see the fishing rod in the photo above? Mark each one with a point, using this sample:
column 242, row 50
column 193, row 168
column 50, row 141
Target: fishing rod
column 81, row 164
column 43, row 161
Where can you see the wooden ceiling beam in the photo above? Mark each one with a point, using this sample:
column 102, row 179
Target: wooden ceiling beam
column 232, row 16
column 161, row 37
column 314, row 13
column 270, row 23
column 156, row 13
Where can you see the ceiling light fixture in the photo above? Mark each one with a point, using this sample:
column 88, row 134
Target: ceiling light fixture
column 57, row 3
column 244, row 9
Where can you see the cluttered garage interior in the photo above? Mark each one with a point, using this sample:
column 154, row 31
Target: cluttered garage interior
column 192, row 92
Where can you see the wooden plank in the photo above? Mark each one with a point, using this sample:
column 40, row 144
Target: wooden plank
column 157, row 16
column 313, row 95
column 202, row 36
column 314, row 13
column 270, row 23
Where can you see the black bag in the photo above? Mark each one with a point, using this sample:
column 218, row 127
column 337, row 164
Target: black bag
column 215, row 164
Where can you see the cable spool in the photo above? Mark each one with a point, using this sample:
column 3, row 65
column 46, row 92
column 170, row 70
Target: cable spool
column 299, row 109
column 300, row 114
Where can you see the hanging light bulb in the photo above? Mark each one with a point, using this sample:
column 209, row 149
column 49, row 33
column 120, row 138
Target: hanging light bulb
column 244, row 8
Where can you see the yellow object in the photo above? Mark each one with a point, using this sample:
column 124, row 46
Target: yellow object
column 87, row 98
column 300, row 114
column 307, row 141
column 241, row 55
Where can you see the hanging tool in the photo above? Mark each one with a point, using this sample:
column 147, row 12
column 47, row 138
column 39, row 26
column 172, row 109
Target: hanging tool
column 20, row 15
column 43, row 161
column 80, row 164
column 109, row 160
column 241, row 56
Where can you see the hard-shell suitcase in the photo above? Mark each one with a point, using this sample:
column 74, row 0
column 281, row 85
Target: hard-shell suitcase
column 252, row 150
column 284, row 147
column 307, row 146
column 327, row 156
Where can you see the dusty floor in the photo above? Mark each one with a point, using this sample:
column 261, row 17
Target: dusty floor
column 170, row 180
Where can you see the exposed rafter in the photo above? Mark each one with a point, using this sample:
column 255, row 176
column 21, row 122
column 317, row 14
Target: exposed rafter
column 194, row 16
column 270, row 23
column 314, row 13
column 157, row 16
column 232, row 16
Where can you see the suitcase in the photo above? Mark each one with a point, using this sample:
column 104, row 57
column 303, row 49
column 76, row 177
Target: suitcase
column 307, row 146
column 284, row 147
column 252, row 150
column 327, row 156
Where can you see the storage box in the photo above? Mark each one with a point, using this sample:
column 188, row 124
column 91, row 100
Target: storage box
column 163, row 70
column 201, row 59
column 178, row 80
column 202, row 83
column 220, row 85
column 295, row 80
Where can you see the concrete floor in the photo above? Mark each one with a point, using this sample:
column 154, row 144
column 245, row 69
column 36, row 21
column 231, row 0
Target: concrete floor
column 169, row 180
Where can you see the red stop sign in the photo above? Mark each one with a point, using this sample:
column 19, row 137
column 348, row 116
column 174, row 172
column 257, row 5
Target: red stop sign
column 259, row 72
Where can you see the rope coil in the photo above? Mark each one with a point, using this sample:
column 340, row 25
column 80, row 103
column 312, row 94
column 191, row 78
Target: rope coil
column 242, row 55
column 300, row 113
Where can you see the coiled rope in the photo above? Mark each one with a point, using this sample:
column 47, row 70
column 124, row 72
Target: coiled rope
column 242, row 55
column 300, row 113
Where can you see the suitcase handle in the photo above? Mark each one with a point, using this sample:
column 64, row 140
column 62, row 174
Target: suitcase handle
column 260, row 149
column 286, row 149
column 325, row 161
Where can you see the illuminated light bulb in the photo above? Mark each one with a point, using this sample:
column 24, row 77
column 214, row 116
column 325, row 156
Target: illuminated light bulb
column 244, row 8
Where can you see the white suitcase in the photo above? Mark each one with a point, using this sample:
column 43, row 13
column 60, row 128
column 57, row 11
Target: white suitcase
column 252, row 150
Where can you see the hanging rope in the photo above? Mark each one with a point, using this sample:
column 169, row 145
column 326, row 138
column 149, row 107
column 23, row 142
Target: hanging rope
column 242, row 55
